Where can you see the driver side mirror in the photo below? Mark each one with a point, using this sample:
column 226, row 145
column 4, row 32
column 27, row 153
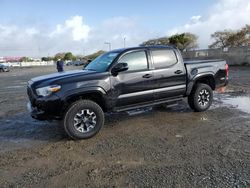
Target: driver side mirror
column 120, row 67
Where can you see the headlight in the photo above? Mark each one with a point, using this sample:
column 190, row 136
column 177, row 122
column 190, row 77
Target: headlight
column 46, row 91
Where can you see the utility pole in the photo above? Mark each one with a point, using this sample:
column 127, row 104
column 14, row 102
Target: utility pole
column 124, row 42
column 108, row 43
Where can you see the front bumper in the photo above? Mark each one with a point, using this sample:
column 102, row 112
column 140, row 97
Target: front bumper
column 36, row 113
column 47, row 108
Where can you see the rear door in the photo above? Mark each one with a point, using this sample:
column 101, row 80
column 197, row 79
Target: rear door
column 169, row 74
column 135, row 85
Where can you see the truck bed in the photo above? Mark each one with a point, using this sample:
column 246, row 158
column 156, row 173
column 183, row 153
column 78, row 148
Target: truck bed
column 215, row 67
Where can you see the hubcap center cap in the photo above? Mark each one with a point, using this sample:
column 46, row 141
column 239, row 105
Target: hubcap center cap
column 85, row 120
column 203, row 97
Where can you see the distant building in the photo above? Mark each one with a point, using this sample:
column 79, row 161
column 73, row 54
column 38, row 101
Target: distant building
column 12, row 59
column 36, row 59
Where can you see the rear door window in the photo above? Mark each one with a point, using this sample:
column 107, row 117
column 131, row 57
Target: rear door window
column 163, row 58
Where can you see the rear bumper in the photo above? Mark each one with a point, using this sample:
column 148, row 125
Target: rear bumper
column 222, row 88
column 226, row 83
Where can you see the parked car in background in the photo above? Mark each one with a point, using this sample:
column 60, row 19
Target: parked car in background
column 79, row 63
column 69, row 63
column 4, row 68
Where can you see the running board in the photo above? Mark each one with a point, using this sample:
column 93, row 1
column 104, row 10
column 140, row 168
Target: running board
column 170, row 101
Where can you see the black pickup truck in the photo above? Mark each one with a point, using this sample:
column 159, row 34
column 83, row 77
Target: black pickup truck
column 122, row 80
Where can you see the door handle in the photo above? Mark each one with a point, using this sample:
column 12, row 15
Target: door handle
column 178, row 72
column 147, row 76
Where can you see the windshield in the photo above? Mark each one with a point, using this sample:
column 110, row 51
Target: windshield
column 101, row 63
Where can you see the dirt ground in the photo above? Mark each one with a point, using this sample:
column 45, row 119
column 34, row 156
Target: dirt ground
column 159, row 147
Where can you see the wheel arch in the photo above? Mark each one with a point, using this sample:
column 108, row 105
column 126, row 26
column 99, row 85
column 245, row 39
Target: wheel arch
column 204, row 79
column 96, row 95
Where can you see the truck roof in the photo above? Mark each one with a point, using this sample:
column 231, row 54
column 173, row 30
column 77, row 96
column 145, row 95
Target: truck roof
column 144, row 47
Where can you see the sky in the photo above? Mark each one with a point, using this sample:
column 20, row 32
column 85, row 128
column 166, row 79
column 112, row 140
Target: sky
column 44, row 28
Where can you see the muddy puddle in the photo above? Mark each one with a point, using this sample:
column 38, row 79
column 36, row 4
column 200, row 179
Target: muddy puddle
column 23, row 131
column 241, row 103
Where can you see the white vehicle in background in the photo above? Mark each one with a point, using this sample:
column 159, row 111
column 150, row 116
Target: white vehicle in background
column 4, row 68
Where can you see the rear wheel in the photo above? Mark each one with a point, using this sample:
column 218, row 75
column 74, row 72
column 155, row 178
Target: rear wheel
column 200, row 98
column 83, row 119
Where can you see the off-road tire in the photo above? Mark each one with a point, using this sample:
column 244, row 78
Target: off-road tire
column 68, row 121
column 194, row 99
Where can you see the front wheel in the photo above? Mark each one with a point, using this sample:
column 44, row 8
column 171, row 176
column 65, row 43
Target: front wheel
column 83, row 119
column 200, row 98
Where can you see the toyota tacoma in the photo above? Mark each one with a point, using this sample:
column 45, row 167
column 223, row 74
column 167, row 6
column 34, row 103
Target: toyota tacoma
column 122, row 80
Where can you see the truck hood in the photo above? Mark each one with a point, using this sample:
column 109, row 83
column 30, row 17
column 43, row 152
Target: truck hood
column 61, row 75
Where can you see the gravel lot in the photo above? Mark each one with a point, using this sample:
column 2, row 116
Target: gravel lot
column 159, row 147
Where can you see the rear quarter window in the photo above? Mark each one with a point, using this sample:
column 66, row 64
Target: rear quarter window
column 163, row 58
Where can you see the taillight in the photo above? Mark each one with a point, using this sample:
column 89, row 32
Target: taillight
column 227, row 70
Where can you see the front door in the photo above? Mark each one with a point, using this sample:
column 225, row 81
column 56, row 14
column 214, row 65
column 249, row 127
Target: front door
column 134, row 86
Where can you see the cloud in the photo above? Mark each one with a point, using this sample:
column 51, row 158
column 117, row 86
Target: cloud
column 72, row 35
column 7, row 30
column 32, row 31
column 115, row 29
column 195, row 19
column 225, row 14
column 75, row 35
column 16, row 41
column 73, row 27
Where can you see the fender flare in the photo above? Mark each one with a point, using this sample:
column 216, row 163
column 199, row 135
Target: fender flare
column 83, row 91
column 192, row 83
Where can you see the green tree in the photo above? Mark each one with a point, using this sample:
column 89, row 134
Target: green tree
column 221, row 39
column 44, row 58
column 240, row 38
column 47, row 58
column 80, row 57
column 229, row 38
column 184, row 41
column 69, row 56
column 59, row 56
column 157, row 41
column 25, row 59
column 94, row 55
